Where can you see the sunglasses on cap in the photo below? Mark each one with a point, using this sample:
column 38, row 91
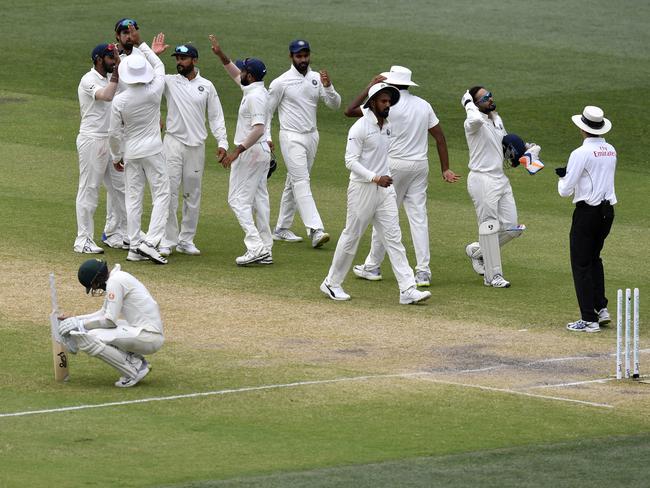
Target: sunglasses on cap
column 181, row 50
column 485, row 98
column 124, row 24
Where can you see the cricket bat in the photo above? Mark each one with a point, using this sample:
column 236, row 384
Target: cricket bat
column 59, row 354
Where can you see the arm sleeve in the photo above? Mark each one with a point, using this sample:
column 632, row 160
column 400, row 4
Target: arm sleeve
column 276, row 91
column 258, row 109
column 113, row 305
column 330, row 98
column 566, row 186
column 115, row 130
column 353, row 155
column 253, row 136
column 216, row 120
column 233, row 71
column 88, row 87
column 474, row 121
column 432, row 118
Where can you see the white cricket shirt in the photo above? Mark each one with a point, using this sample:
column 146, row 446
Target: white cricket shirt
column 484, row 137
column 296, row 98
column 252, row 111
column 411, row 120
column 590, row 173
column 187, row 102
column 94, row 113
column 135, row 114
column 366, row 153
column 127, row 297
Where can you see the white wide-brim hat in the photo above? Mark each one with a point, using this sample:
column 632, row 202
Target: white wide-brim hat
column 377, row 87
column 592, row 121
column 135, row 69
column 398, row 75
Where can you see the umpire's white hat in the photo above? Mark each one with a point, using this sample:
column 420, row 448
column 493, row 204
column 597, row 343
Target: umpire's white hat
column 592, row 120
column 135, row 69
column 398, row 75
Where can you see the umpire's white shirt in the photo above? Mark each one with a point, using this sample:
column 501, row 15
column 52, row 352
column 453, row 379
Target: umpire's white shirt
column 94, row 113
column 135, row 115
column 590, row 173
column 366, row 153
column 187, row 102
column 484, row 136
column 296, row 98
column 252, row 111
column 411, row 120
column 128, row 297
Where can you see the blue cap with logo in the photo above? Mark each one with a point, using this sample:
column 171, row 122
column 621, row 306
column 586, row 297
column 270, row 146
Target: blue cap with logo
column 298, row 45
column 186, row 50
column 102, row 50
column 253, row 65
column 123, row 24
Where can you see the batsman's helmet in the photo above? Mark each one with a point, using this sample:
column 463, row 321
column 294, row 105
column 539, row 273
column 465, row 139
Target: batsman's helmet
column 93, row 274
column 513, row 148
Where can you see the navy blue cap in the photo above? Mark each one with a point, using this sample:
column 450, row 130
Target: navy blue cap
column 102, row 50
column 253, row 65
column 123, row 24
column 298, row 45
column 513, row 148
column 186, row 50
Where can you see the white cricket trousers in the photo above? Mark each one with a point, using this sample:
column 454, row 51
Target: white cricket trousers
column 185, row 166
column 248, row 196
column 116, row 206
column 410, row 180
column 368, row 204
column 299, row 153
column 129, row 339
column 493, row 200
column 137, row 172
column 94, row 168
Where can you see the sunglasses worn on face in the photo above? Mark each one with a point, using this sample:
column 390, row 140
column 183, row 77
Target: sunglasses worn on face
column 485, row 98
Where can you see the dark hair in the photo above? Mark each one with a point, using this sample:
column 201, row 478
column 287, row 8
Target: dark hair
column 474, row 90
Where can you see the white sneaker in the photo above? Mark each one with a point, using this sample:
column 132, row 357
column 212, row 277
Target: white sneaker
column 285, row 235
column 267, row 260
column 114, row 241
column 188, row 248
column 473, row 252
column 89, row 247
column 334, row 292
column 583, row 326
column 497, row 282
column 422, row 278
column 165, row 251
column 151, row 252
column 251, row 257
column 603, row 317
column 134, row 256
column 125, row 382
column 413, row 295
column 367, row 274
column 318, row 237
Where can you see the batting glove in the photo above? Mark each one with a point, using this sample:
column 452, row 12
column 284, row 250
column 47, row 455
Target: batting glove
column 466, row 98
column 70, row 324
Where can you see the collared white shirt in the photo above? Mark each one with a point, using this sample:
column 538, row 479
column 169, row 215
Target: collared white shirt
column 187, row 102
column 94, row 113
column 411, row 120
column 135, row 115
column 366, row 153
column 484, row 136
column 252, row 111
column 590, row 173
column 296, row 98
column 127, row 297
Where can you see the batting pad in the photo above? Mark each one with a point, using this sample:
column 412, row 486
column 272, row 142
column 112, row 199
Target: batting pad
column 488, row 238
column 117, row 358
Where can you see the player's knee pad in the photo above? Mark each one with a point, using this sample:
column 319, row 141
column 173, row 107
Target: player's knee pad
column 489, row 227
column 89, row 344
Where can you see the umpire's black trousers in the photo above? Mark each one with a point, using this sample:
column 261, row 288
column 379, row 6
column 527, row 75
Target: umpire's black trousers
column 589, row 228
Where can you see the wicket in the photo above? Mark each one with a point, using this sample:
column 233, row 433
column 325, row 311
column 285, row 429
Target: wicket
column 629, row 317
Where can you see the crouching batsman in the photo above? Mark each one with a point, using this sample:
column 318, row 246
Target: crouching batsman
column 124, row 330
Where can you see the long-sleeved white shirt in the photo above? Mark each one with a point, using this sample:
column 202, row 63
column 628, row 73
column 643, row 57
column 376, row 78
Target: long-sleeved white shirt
column 366, row 153
column 135, row 114
column 411, row 120
column 296, row 98
column 94, row 113
column 590, row 173
column 252, row 111
column 187, row 103
column 484, row 136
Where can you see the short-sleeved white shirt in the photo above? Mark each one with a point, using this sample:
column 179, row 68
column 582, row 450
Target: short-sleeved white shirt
column 129, row 298
column 410, row 120
column 252, row 111
column 484, row 136
column 366, row 153
column 94, row 113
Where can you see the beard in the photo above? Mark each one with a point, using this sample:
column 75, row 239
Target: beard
column 491, row 108
column 184, row 70
column 384, row 113
column 108, row 67
column 302, row 67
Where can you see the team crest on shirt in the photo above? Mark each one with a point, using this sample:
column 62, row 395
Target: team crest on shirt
column 314, row 82
column 201, row 88
column 111, row 296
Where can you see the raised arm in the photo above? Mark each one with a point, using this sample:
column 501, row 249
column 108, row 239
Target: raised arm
column 328, row 94
column 228, row 65
column 354, row 107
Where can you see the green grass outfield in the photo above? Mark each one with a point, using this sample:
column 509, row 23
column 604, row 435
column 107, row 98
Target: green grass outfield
column 229, row 328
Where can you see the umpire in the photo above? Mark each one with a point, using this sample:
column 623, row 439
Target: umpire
column 589, row 177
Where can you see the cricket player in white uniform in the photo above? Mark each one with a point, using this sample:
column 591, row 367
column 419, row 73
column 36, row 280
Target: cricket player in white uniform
column 371, row 199
column 295, row 95
column 249, row 162
column 411, row 120
column 488, row 186
column 135, row 121
column 124, row 330
column 95, row 93
column 189, row 96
